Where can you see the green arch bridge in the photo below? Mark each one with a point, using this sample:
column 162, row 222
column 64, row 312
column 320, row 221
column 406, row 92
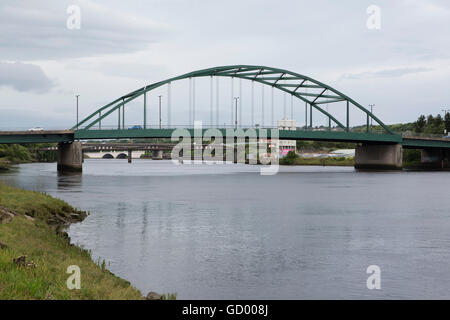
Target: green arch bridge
column 376, row 150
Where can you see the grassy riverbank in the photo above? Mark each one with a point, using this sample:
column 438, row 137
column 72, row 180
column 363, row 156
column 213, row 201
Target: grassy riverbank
column 30, row 224
column 4, row 165
column 336, row 162
column 293, row 159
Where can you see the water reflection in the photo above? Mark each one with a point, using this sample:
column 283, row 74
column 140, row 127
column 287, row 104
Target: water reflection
column 227, row 232
column 144, row 221
column 70, row 181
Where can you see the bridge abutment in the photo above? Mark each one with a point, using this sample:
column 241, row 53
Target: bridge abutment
column 157, row 155
column 70, row 157
column 379, row 157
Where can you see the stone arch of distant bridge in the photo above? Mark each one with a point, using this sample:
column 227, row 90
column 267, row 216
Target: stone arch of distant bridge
column 314, row 93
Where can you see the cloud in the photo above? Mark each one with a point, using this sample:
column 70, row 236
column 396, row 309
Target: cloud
column 34, row 32
column 126, row 67
column 122, row 45
column 24, row 77
column 386, row 73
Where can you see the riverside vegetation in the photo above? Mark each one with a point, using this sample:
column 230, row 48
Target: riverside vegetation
column 16, row 153
column 35, row 252
column 293, row 159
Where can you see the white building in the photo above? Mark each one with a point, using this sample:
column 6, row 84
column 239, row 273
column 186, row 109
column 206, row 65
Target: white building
column 343, row 153
column 287, row 145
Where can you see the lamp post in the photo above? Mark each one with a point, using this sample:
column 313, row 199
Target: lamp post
column 76, row 96
column 235, row 118
column 160, row 111
column 445, row 114
column 371, row 119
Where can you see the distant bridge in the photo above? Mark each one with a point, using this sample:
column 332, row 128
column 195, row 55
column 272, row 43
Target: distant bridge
column 119, row 150
column 383, row 151
column 123, row 150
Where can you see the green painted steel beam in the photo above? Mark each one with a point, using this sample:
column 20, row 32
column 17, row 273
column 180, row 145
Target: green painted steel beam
column 278, row 78
column 145, row 110
column 418, row 143
column 313, row 86
column 283, row 134
column 36, row 137
column 241, row 71
column 339, row 136
column 313, row 105
column 330, row 101
column 348, row 116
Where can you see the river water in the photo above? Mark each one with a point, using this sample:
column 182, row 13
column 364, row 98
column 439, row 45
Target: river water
column 227, row 232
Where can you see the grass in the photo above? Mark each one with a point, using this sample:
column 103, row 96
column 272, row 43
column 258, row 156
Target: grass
column 319, row 162
column 5, row 164
column 38, row 205
column 51, row 252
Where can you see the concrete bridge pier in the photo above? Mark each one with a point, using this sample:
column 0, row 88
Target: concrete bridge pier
column 434, row 158
column 157, row 155
column 70, row 157
column 379, row 157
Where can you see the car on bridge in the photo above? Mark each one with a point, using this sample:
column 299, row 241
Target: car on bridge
column 137, row 127
column 36, row 129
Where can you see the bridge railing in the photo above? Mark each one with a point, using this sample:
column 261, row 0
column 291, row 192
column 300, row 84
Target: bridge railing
column 206, row 126
column 411, row 134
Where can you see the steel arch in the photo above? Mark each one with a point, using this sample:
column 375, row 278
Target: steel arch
column 284, row 80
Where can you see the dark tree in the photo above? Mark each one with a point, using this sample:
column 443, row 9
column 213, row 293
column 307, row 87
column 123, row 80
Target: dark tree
column 419, row 125
column 447, row 122
column 438, row 121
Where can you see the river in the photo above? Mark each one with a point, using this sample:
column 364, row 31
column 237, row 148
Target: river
column 227, row 232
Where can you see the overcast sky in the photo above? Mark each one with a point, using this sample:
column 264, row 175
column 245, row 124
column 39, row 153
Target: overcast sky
column 403, row 68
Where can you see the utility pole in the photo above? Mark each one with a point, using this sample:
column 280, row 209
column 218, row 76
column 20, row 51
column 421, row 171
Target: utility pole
column 77, row 108
column 160, row 111
column 446, row 111
column 371, row 119
column 236, row 119
column 329, row 120
column 145, row 108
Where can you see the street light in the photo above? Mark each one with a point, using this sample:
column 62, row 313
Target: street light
column 160, row 111
column 445, row 114
column 77, row 108
column 236, row 121
column 371, row 119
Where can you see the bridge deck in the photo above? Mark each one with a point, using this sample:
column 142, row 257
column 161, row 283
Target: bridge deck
column 283, row 134
column 45, row 136
column 424, row 142
column 55, row 136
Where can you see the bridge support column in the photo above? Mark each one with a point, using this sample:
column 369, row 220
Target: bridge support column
column 157, row 155
column 435, row 158
column 70, row 157
column 379, row 157
column 130, row 156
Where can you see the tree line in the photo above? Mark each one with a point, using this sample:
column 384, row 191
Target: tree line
column 432, row 125
column 17, row 153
